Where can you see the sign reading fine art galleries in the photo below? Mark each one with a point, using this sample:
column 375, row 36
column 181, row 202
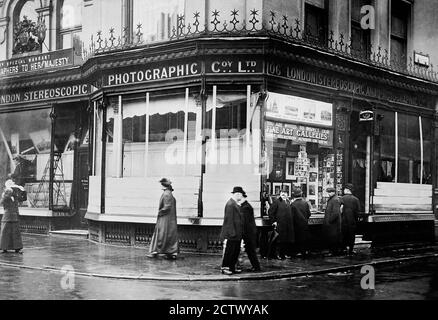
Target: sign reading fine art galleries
column 299, row 134
column 45, row 61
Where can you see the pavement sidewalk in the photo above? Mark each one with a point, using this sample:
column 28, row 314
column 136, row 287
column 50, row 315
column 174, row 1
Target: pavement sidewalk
column 58, row 253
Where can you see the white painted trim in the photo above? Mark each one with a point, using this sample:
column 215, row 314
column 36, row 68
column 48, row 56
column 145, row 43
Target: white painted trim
column 186, row 121
column 213, row 121
column 119, row 141
column 93, row 159
column 367, row 175
column 146, row 144
column 396, row 147
column 422, row 149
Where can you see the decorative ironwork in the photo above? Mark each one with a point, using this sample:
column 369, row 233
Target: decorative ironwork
column 276, row 26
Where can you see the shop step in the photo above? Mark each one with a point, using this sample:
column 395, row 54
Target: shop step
column 70, row 233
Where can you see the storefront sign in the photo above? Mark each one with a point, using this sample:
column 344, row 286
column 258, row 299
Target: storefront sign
column 336, row 82
column 290, row 108
column 152, row 72
column 45, row 94
column 47, row 61
column 366, row 115
column 233, row 65
column 297, row 133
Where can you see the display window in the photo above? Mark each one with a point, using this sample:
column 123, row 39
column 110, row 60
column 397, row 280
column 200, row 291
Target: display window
column 299, row 148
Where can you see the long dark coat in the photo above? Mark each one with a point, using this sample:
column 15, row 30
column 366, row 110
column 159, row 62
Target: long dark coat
column 281, row 212
column 249, row 228
column 301, row 214
column 10, row 235
column 350, row 214
column 232, row 226
column 165, row 237
column 333, row 222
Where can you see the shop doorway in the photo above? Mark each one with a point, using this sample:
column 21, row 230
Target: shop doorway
column 359, row 159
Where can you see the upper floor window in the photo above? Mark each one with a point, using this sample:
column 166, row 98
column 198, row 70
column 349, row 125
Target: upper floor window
column 360, row 38
column 316, row 22
column 400, row 19
column 70, row 24
column 157, row 18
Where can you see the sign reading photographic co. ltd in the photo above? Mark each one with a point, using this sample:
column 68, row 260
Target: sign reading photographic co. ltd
column 45, row 61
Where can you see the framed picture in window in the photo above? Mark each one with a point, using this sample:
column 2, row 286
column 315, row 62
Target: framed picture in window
column 290, row 169
column 276, row 188
column 288, row 187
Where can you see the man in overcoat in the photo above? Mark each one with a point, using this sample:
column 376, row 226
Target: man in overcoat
column 333, row 222
column 249, row 232
column 165, row 237
column 281, row 215
column 301, row 214
column 232, row 232
column 350, row 215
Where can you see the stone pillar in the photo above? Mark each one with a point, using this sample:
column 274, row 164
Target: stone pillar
column 380, row 36
column 45, row 12
column 337, row 22
column 435, row 164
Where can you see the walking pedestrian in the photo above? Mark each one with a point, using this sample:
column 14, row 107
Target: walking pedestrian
column 10, row 235
column 249, row 232
column 333, row 222
column 231, row 232
column 350, row 215
column 301, row 214
column 165, row 237
column 282, row 218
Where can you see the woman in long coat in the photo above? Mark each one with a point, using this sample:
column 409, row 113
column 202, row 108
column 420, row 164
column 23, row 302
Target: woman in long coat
column 333, row 222
column 10, row 235
column 281, row 215
column 165, row 237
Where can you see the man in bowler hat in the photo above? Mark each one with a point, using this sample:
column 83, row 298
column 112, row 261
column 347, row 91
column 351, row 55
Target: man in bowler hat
column 282, row 218
column 249, row 232
column 232, row 232
column 301, row 214
column 350, row 215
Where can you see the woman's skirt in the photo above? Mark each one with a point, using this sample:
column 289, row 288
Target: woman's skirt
column 10, row 236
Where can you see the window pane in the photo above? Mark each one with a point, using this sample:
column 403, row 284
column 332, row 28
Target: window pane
column 315, row 24
column 166, row 136
column 427, row 150
column 385, row 147
column 157, row 18
column 134, row 137
column 27, row 134
column 110, row 160
column 71, row 14
column 409, row 150
column 66, row 41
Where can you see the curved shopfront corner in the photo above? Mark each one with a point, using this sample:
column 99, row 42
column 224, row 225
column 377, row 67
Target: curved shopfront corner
column 210, row 117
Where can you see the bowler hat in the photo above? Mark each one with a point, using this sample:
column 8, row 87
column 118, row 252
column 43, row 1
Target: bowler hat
column 297, row 192
column 330, row 189
column 165, row 181
column 349, row 186
column 238, row 190
column 284, row 189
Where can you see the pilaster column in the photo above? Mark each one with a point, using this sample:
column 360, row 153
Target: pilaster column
column 45, row 14
column 435, row 164
column 4, row 22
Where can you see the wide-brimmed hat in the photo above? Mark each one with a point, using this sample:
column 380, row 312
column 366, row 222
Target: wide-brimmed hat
column 284, row 189
column 297, row 192
column 349, row 186
column 165, row 182
column 330, row 189
column 238, row 190
column 244, row 195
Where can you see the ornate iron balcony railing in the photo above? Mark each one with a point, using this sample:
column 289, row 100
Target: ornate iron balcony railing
column 276, row 26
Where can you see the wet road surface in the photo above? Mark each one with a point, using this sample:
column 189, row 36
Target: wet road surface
column 407, row 281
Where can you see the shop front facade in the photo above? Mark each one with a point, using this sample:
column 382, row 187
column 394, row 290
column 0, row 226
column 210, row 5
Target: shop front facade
column 43, row 130
column 258, row 115
column 262, row 106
